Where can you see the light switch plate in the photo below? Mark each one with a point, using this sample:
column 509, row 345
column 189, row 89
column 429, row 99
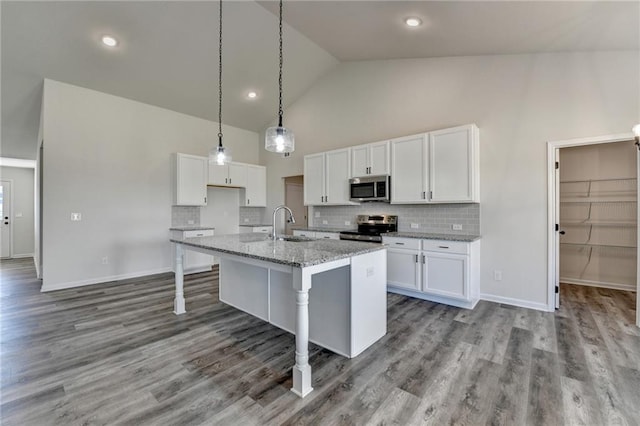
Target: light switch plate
column 347, row 222
column 18, row 214
column 325, row 222
column 415, row 225
column 190, row 222
column 76, row 216
column 456, row 227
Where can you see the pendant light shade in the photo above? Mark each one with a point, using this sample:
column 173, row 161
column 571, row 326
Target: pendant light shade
column 219, row 155
column 279, row 139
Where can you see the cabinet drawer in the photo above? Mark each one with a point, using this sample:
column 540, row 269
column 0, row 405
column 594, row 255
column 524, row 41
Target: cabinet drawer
column 263, row 229
column 405, row 243
column 200, row 233
column 328, row 235
column 304, row 234
column 440, row 246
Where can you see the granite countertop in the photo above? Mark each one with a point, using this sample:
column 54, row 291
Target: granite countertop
column 256, row 225
column 316, row 229
column 190, row 228
column 294, row 253
column 429, row 236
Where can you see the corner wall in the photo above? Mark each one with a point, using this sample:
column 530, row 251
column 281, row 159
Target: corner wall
column 109, row 158
column 519, row 102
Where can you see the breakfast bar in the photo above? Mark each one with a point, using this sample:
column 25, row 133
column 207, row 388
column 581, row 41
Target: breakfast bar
column 332, row 293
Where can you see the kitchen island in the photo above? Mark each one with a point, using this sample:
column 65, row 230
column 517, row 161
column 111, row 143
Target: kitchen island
column 332, row 293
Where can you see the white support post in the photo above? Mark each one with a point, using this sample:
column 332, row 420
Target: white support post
column 178, row 302
column 302, row 369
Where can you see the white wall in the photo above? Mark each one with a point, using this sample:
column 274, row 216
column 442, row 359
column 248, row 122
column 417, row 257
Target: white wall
column 23, row 202
column 519, row 102
column 109, row 159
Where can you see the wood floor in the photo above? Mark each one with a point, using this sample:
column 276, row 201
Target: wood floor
column 116, row 354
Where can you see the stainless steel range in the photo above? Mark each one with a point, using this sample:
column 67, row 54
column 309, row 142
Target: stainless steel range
column 371, row 228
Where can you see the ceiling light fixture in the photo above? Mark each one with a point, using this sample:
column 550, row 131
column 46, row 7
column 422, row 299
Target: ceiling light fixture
column 413, row 22
column 636, row 133
column 220, row 155
column 110, row 41
column 252, row 95
column 279, row 139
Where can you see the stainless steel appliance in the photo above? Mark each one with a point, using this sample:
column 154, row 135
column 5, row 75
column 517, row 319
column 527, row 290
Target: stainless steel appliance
column 371, row 228
column 370, row 188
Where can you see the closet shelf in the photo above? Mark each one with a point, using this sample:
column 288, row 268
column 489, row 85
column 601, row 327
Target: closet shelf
column 598, row 223
column 597, row 245
column 598, row 180
column 610, row 199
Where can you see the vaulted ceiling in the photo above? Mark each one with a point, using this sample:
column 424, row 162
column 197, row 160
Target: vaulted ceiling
column 167, row 54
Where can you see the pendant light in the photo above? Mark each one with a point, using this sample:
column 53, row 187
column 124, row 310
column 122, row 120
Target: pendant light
column 220, row 155
column 279, row 139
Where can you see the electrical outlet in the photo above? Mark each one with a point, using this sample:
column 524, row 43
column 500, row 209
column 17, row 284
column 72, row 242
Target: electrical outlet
column 415, row 225
column 105, row 260
column 347, row 222
column 316, row 214
column 370, row 271
column 246, row 220
column 18, row 214
column 76, row 216
column 325, row 222
column 497, row 275
column 456, row 227
column 190, row 222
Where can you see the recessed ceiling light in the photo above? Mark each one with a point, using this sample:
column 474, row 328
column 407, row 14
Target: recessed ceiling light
column 252, row 95
column 413, row 22
column 109, row 41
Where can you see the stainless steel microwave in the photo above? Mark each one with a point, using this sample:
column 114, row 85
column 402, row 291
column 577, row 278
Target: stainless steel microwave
column 370, row 188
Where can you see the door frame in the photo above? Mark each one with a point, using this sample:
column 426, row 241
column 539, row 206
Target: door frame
column 553, row 252
column 10, row 181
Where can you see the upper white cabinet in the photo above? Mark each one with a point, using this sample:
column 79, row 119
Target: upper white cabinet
column 191, row 180
column 326, row 178
column 370, row 159
column 453, row 165
column 436, row 167
column 256, row 186
column 231, row 174
column 409, row 180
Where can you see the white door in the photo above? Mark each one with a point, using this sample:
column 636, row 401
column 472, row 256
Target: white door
column 313, row 179
column 403, row 269
column 337, row 171
column 218, row 174
column 450, row 166
column 5, row 213
column 408, row 178
column 359, row 161
column 294, row 199
column 558, row 230
column 238, row 175
column 379, row 158
column 446, row 274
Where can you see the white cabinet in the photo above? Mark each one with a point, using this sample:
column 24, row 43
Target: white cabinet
column 370, row 159
column 244, row 229
column 231, row 174
column 193, row 261
column 256, row 189
column 303, row 233
column 408, row 170
column 436, row 167
column 326, row 178
column 317, row 234
column 440, row 271
column 453, row 165
column 191, row 180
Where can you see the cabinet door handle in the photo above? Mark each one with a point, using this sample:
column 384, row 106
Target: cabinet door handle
column 205, row 200
column 248, row 201
column 225, row 180
column 326, row 198
column 444, row 247
column 416, row 258
column 423, row 259
column 399, row 244
column 423, row 195
column 431, row 195
column 229, row 180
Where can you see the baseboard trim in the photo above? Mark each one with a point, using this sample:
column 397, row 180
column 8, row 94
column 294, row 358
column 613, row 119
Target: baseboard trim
column 102, row 280
column 612, row 286
column 516, row 302
column 21, row 256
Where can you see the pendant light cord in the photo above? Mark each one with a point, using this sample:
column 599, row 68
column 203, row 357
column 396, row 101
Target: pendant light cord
column 220, row 81
column 280, row 75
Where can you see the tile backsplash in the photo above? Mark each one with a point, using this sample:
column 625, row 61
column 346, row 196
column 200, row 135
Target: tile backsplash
column 433, row 218
column 185, row 216
column 252, row 215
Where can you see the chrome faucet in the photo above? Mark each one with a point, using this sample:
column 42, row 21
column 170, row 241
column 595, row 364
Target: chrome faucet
column 291, row 219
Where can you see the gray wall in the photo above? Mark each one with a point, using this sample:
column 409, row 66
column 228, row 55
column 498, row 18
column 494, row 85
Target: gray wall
column 519, row 102
column 23, row 202
column 109, row 158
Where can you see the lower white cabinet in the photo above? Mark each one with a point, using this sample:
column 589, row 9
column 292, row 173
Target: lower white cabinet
column 244, row 229
column 193, row 261
column 440, row 271
column 319, row 235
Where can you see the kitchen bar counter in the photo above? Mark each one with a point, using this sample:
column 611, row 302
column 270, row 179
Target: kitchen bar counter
column 191, row 228
column 430, row 236
column 346, row 312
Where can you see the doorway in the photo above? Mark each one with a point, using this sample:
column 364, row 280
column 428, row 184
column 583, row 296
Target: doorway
column 593, row 216
column 6, row 228
column 294, row 199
